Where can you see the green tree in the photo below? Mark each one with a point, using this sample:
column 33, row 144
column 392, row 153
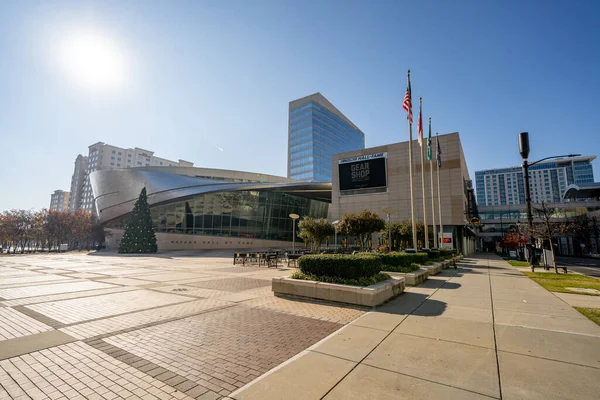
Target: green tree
column 315, row 231
column 402, row 231
column 361, row 225
column 139, row 236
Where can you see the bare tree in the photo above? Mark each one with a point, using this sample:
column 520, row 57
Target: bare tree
column 551, row 226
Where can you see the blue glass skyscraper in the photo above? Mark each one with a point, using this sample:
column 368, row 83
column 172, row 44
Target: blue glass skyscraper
column 316, row 131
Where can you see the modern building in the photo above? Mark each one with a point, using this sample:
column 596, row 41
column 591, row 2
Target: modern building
column 378, row 178
column 104, row 156
column 59, row 201
column 548, row 181
column 496, row 221
column 316, row 131
column 200, row 208
column 77, row 182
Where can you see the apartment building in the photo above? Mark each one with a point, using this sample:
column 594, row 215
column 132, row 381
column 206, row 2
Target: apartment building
column 102, row 156
column 548, row 181
column 59, row 201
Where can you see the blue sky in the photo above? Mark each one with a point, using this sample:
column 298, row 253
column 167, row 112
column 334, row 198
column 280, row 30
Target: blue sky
column 204, row 75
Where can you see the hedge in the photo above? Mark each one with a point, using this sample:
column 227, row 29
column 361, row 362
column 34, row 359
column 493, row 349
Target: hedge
column 447, row 253
column 403, row 259
column 340, row 265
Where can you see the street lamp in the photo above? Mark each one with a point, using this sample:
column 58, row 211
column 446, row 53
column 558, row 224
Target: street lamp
column 294, row 217
column 389, row 211
column 524, row 151
column 334, row 223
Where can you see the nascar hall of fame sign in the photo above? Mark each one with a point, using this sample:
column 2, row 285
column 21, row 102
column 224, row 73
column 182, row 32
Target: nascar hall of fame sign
column 362, row 172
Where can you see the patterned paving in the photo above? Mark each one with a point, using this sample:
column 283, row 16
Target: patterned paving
column 31, row 291
column 14, row 324
column 32, row 279
column 76, row 326
column 77, row 371
column 232, row 285
column 224, row 351
column 77, row 310
column 124, row 322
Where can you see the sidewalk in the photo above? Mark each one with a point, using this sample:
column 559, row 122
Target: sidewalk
column 483, row 331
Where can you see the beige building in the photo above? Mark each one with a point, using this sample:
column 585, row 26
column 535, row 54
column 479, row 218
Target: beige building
column 378, row 177
column 77, row 181
column 103, row 156
column 59, row 201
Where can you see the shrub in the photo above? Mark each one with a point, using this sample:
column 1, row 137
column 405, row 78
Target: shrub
column 403, row 269
column 434, row 254
column 340, row 265
column 446, row 253
column 363, row 281
column 404, row 260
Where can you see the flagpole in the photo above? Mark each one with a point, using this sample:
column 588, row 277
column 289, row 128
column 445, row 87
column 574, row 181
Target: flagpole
column 430, row 150
column 410, row 172
column 437, row 143
column 426, row 240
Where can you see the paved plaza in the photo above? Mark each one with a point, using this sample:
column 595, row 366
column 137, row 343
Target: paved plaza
column 104, row 326
column 482, row 331
column 167, row 326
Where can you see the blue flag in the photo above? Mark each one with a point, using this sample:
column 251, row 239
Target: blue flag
column 429, row 142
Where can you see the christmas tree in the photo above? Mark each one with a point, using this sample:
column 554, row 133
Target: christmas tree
column 139, row 236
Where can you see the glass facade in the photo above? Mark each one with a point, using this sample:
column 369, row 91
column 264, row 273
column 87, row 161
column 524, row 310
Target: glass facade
column 316, row 134
column 257, row 214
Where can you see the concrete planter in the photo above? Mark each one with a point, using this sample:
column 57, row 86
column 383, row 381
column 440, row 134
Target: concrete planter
column 370, row 296
column 412, row 278
column 433, row 269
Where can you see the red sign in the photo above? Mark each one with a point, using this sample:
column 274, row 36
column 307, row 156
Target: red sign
column 447, row 240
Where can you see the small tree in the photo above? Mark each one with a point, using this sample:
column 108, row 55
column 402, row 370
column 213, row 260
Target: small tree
column 402, row 231
column 314, row 231
column 551, row 226
column 361, row 225
column 139, row 236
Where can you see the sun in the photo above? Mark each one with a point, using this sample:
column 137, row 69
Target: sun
column 93, row 61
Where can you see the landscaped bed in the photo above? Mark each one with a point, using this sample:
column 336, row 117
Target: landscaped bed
column 362, row 281
column 354, row 279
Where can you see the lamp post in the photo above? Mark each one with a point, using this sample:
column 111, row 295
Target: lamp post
column 524, row 151
column 294, row 217
column 389, row 211
column 334, row 223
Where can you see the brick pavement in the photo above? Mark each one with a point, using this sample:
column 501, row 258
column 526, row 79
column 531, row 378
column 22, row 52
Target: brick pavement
column 107, row 326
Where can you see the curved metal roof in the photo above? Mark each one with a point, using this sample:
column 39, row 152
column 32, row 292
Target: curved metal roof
column 116, row 190
column 583, row 191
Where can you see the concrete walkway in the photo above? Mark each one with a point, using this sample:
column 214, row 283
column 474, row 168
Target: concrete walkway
column 483, row 331
column 580, row 300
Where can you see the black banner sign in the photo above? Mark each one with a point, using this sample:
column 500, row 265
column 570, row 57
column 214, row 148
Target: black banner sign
column 367, row 172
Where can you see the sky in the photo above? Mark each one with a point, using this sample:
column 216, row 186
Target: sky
column 210, row 81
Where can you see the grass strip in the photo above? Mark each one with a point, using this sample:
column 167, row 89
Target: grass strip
column 560, row 282
column 591, row 313
column 515, row 263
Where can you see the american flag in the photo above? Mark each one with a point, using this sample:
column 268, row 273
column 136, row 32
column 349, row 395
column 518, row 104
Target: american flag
column 420, row 123
column 407, row 105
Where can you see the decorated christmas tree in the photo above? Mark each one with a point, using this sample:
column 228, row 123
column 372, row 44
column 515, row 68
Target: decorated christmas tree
column 139, row 236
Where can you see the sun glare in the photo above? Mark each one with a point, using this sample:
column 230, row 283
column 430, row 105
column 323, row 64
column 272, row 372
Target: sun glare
column 94, row 62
